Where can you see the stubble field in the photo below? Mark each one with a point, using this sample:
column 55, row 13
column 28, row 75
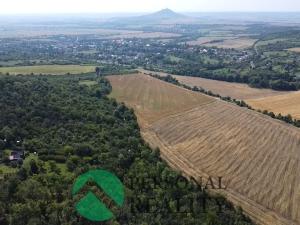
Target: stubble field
column 258, row 157
column 153, row 99
column 284, row 104
column 234, row 90
column 223, row 88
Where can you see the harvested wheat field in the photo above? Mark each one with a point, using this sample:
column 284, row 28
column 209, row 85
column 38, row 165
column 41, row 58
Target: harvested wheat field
column 234, row 90
column 284, row 104
column 257, row 156
column 153, row 99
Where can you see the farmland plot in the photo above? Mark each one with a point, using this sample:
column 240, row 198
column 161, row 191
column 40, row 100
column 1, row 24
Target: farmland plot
column 284, row 104
column 223, row 88
column 258, row 157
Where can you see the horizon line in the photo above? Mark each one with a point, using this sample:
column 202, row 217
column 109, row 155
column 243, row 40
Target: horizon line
column 134, row 12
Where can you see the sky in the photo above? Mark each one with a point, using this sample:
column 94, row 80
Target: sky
column 109, row 6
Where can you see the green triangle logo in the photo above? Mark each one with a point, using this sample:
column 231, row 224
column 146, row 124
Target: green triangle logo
column 90, row 206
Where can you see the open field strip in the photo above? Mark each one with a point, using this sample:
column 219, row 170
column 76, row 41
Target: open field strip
column 294, row 50
column 223, row 88
column 145, row 35
column 97, row 32
column 258, row 157
column 47, row 69
column 44, row 31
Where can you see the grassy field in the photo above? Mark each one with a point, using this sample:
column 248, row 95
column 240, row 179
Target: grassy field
column 5, row 170
column 271, row 41
column 44, row 31
column 145, row 35
column 284, row 104
column 89, row 52
column 277, row 53
column 47, row 69
column 87, row 82
column 256, row 155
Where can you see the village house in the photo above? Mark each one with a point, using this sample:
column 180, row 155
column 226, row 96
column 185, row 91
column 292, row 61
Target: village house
column 16, row 156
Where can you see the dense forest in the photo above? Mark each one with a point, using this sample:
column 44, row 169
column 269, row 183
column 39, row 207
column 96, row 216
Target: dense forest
column 67, row 125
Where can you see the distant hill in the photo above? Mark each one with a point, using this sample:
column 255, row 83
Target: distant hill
column 165, row 14
column 162, row 16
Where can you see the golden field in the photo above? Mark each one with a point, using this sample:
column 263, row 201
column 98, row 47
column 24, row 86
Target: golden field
column 284, row 104
column 153, row 99
column 234, row 90
column 257, row 156
column 223, row 88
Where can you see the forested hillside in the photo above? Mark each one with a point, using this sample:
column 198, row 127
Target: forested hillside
column 66, row 125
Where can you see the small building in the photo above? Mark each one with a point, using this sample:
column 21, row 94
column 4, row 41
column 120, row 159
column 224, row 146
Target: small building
column 16, row 156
